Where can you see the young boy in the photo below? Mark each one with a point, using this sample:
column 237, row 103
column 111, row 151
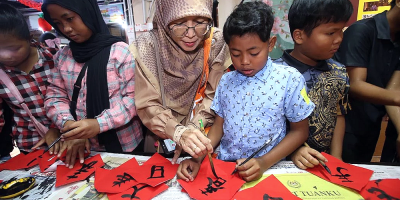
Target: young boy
column 316, row 27
column 253, row 102
column 371, row 51
column 28, row 65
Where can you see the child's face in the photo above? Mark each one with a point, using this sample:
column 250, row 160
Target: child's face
column 69, row 23
column 323, row 42
column 249, row 54
column 13, row 50
column 189, row 39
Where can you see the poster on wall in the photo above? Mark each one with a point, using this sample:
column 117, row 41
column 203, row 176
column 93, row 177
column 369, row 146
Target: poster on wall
column 369, row 8
column 112, row 13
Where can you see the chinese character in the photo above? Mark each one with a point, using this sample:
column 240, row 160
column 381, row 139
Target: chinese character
column 136, row 190
column 382, row 194
column 210, row 189
column 267, row 197
column 123, row 179
column 31, row 162
column 84, row 168
column 341, row 175
column 155, row 168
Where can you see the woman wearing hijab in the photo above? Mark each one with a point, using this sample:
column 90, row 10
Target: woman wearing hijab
column 179, row 65
column 91, row 91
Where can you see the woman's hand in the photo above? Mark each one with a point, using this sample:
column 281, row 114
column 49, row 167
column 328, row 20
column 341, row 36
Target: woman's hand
column 195, row 143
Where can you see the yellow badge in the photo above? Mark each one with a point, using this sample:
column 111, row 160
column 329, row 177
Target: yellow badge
column 305, row 96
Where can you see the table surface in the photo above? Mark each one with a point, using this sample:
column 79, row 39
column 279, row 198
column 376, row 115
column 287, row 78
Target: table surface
column 45, row 189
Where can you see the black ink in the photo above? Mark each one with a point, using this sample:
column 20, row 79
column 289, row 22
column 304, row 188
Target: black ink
column 267, row 197
column 155, row 168
column 31, row 162
column 123, row 179
column 210, row 189
column 84, row 169
column 382, row 194
column 341, row 175
column 136, row 190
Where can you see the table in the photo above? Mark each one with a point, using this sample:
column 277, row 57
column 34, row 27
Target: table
column 45, row 181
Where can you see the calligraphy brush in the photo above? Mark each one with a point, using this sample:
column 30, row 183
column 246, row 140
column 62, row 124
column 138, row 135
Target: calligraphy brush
column 209, row 155
column 254, row 154
column 51, row 145
column 320, row 161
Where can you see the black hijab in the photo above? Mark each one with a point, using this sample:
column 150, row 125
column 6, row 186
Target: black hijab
column 94, row 53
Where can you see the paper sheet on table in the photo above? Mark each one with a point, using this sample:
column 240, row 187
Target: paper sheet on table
column 156, row 170
column 118, row 179
column 382, row 189
column 269, row 188
column 310, row 187
column 342, row 173
column 78, row 172
column 206, row 186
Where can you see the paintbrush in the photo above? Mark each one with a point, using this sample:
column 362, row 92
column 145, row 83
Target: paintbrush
column 51, row 145
column 320, row 161
column 254, row 154
column 209, row 155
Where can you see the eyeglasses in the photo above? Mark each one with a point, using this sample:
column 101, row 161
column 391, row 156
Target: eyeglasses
column 180, row 30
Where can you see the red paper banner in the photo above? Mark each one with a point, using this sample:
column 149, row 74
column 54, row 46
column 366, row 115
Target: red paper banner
column 382, row 189
column 116, row 180
column 141, row 191
column 65, row 175
column 31, row 4
column 342, row 173
column 156, row 170
column 206, row 186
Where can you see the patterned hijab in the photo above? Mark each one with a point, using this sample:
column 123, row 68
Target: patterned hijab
column 181, row 70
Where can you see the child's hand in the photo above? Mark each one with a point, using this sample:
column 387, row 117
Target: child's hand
column 74, row 148
column 51, row 135
column 306, row 157
column 188, row 170
column 252, row 170
column 82, row 129
column 177, row 153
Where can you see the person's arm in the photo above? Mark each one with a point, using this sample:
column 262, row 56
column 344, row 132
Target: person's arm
column 255, row 167
column 368, row 92
column 122, row 109
column 57, row 108
column 394, row 111
column 57, row 101
column 337, row 138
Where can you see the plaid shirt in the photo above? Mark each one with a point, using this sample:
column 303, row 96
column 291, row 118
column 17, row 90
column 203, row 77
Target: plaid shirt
column 121, row 85
column 33, row 88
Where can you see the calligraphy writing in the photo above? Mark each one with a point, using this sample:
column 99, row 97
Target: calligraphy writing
column 83, row 169
column 341, row 175
column 210, row 189
column 382, row 195
column 31, row 162
column 267, row 197
column 136, row 190
column 155, row 169
column 122, row 179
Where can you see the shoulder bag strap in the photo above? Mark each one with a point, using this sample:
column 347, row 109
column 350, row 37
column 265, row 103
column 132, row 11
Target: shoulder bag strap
column 15, row 92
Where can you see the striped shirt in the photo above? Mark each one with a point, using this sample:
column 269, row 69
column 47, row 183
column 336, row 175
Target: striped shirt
column 121, row 84
column 33, row 88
